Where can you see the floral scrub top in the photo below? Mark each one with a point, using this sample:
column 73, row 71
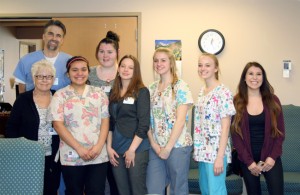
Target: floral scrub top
column 82, row 116
column 163, row 112
column 209, row 110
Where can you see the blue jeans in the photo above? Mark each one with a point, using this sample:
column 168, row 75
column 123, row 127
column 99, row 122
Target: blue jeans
column 173, row 171
column 208, row 182
column 132, row 181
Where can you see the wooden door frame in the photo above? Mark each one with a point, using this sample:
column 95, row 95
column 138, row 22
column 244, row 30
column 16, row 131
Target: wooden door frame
column 19, row 19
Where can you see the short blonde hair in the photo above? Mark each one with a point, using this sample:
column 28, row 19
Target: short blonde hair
column 43, row 64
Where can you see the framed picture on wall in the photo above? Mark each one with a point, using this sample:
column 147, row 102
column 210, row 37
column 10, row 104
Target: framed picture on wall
column 175, row 46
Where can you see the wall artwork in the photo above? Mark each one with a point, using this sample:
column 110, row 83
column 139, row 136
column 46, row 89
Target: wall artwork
column 175, row 46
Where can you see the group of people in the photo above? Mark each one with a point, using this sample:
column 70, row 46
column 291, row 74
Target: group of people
column 111, row 127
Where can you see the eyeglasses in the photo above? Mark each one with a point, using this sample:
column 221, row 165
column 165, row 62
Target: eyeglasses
column 42, row 77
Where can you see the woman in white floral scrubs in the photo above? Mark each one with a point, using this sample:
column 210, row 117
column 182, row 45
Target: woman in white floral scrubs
column 171, row 142
column 80, row 117
column 213, row 111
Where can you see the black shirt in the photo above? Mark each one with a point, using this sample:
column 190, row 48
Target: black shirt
column 257, row 134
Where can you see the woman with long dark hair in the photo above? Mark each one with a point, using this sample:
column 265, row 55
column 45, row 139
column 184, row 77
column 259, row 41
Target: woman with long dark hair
column 258, row 130
column 127, row 143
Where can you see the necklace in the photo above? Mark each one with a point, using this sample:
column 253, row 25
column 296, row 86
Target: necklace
column 108, row 81
column 106, row 75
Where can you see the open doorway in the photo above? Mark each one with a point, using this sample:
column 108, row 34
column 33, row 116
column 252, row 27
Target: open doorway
column 26, row 47
column 92, row 26
column 84, row 34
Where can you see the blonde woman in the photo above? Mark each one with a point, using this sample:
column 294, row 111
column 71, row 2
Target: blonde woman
column 213, row 111
column 171, row 142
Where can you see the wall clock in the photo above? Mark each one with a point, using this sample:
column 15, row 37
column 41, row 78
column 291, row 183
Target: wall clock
column 211, row 41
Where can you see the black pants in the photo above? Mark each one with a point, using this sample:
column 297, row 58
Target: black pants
column 51, row 176
column 274, row 180
column 87, row 179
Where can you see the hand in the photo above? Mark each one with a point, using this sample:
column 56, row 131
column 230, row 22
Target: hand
column 129, row 158
column 218, row 166
column 164, row 153
column 84, row 153
column 156, row 148
column 255, row 169
column 112, row 156
column 269, row 164
column 94, row 151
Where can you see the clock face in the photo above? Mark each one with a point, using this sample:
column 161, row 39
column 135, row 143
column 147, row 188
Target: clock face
column 211, row 41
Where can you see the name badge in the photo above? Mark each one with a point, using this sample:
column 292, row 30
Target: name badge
column 52, row 131
column 72, row 154
column 107, row 89
column 158, row 104
column 128, row 100
column 55, row 81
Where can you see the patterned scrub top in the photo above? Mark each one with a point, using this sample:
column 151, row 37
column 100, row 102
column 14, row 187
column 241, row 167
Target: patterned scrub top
column 82, row 116
column 209, row 110
column 163, row 112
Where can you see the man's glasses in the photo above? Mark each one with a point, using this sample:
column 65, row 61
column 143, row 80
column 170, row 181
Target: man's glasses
column 42, row 77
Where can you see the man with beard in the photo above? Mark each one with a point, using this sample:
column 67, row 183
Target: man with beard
column 53, row 37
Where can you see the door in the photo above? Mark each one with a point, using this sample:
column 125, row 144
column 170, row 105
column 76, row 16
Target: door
column 84, row 33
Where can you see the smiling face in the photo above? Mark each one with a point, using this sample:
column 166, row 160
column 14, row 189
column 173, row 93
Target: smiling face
column 53, row 38
column 107, row 55
column 254, row 78
column 43, row 79
column 126, row 69
column 207, row 68
column 161, row 63
column 78, row 73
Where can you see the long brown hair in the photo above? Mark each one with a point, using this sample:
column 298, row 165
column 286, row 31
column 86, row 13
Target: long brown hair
column 241, row 100
column 135, row 84
column 173, row 68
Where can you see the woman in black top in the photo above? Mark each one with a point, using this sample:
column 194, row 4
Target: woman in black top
column 29, row 119
column 127, row 143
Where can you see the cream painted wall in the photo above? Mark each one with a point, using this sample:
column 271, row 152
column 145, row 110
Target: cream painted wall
column 11, row 57
column 11, row 51
column 264, row 31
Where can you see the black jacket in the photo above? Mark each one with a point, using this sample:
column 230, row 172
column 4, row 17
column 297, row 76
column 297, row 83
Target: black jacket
column 24, row 120
column 132, row 119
